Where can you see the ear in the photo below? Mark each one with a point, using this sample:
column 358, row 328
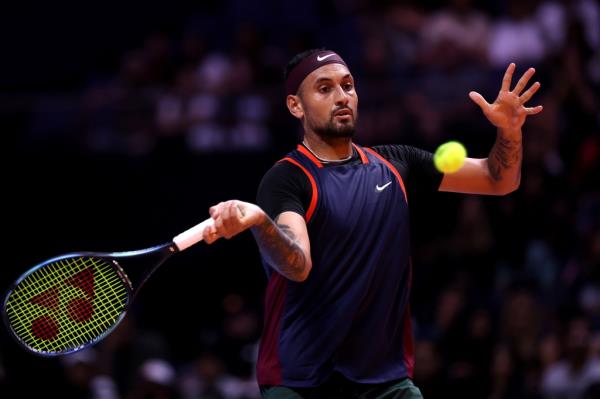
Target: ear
column 295, row 106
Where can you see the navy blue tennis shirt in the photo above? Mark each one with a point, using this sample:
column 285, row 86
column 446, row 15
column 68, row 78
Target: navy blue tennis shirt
column 351, row 315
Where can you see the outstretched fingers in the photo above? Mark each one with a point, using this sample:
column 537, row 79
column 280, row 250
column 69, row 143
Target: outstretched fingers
column 533, row 110
column 529, row 93
column 479, row 100
column 508, row 77
column 523, row 81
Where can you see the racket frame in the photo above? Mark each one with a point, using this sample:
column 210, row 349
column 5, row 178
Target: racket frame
column 111, row 258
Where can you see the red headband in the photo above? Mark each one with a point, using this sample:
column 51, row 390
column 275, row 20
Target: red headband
column 307, row 65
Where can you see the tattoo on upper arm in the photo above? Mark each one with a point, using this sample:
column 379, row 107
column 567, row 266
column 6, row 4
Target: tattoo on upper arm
column 280, row 246
column 287, row 230
column 505, row 154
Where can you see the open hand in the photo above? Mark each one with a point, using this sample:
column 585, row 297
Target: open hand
column 508, row 111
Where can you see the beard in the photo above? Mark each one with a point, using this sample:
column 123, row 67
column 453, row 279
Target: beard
column 331, row 130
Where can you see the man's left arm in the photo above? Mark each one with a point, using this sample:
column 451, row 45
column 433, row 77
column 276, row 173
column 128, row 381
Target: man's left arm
column 500, row 172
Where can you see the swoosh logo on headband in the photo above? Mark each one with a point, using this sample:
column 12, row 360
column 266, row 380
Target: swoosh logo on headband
column 319, row 58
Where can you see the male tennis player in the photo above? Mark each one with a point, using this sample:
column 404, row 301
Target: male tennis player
column 332, row 228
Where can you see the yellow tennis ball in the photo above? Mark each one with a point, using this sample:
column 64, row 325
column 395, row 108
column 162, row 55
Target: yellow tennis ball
column 449, row 157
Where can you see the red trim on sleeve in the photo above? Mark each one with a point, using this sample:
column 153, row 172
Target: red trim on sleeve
column 309, row 155
column 392, row 168
column 313, row 184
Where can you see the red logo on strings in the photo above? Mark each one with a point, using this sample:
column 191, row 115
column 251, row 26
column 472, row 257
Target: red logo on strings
column 80, row 310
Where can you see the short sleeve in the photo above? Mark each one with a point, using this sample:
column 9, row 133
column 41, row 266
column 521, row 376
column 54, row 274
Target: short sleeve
column 414, row 165
column 284, row 188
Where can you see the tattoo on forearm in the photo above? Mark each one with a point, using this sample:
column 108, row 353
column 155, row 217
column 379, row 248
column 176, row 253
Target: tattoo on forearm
column 505, row 155
column 279, row 244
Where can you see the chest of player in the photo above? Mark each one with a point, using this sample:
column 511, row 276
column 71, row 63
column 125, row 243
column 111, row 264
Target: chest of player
column 355, row 197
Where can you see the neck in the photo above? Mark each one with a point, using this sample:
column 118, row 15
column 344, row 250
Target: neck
column 329, row 149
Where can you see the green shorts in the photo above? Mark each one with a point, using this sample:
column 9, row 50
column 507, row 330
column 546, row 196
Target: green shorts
column 343, row 389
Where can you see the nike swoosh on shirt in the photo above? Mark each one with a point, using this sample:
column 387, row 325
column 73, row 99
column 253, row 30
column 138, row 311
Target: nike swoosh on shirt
column 319, row 58
column 381, row 188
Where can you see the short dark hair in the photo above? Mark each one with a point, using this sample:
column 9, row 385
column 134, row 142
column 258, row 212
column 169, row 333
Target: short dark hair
column 298, row 59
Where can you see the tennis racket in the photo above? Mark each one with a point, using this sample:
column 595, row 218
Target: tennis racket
column 73, row 301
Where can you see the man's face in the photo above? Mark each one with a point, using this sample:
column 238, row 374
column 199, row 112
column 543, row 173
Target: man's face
column 329, row 101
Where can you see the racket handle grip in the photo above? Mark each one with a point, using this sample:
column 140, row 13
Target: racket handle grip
column 192, row 236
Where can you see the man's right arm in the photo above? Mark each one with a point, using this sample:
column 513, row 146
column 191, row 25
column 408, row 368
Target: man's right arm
column 284, row 244
column 276, row 221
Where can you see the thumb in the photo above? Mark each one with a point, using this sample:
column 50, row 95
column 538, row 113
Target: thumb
column 478, row 99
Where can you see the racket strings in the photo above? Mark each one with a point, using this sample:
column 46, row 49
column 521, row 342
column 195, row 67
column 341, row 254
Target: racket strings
column 66, row 304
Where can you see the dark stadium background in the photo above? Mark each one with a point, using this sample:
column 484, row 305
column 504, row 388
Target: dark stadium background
column 499, row 282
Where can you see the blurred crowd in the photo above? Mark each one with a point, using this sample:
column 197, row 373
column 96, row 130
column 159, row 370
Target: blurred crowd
column 506, row 293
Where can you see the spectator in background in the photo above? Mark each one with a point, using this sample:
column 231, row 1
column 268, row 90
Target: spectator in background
column 86, row 379
column 404, row 21
column 116, row 112
column 471, row 243
column 207, row 377
column 411, row 54
column 155, row 380
column 123, row 352
column 214, row 106
column 516, row 36
column 172, row 110
column 452, row 59
column 505, row 381
column 579, row 372
column 2, row 375
column 203, row 378
column 549, row 350
column 429, row 369
column 555, row 17
column 520, row 324
column 455, row 35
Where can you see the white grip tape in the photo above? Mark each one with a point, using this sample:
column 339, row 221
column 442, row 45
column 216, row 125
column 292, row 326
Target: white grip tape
column 192, row 235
